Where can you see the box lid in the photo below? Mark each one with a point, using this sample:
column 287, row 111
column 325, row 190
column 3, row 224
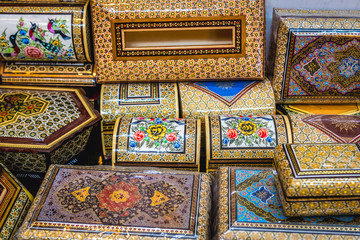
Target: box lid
column 39, row 119
column 104, row 202
column 319, row 171
column 315, row 55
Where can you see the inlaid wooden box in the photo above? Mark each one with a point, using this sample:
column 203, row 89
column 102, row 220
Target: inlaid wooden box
column 314, row 59
column 105, row 202
column 48, row 44
column 247, row 206
column 318, row 179
column 15, row 201
column 135, row 100
column 160, row 142
column 43, row 125
column 178, row 41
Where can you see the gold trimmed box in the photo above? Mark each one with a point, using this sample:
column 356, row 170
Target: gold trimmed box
column 315, row 56
column 48, row 44
column 338, row 109
column 179, row 42
column 318, row 179
column 15, row 201
column 135, row 100
column 198, row 99
column 105, row 202
column 234, row 140
column 43, row 125
column 248, row 207
column 159, row 142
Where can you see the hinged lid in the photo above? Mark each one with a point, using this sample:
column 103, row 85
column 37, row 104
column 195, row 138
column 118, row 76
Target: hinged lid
column 319, row 171
column 39, row 119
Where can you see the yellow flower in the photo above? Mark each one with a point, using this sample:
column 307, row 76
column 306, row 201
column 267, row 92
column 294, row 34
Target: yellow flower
column 156, row 132
column 247, row 128
column 2, row 38
column 62, row 26
column 119, row 196
column 3, row 44
column 55, row 43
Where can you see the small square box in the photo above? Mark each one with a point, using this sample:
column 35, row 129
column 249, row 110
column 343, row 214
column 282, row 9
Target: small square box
column 104, row 202
column 319, row 179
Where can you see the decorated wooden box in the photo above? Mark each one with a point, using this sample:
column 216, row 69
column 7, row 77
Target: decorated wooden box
column 314, row 58
column 47, row 44
column 217, row 98
column 178, row 41
column 244, row 140
column 15, row 201
column 319, row 179
column 103, row 202
column 134, row 100
column 248, row 207
column 43, row 125
column 160, row 142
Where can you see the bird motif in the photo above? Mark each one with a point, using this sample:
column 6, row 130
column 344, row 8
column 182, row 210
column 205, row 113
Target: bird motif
column 50, row 26
column 52, row 48
column 12, row 39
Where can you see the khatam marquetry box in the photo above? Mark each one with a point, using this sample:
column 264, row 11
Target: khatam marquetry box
column 54, row 34
column 103, row 202
column 318, row 179
column 15, row 201
column 43, row 125
column 248, row 207
column 135, row 100
column 325, row 128
column 217, row 98
column 160, row 142
column 244, row 140
column 178, row 41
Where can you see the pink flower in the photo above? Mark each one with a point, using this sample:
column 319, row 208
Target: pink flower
column 39, row 29
column 43, row 34
column 139, row 136
column 21, row 24
column 33, row 52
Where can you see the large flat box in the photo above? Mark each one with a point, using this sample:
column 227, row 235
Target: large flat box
column 46, row 45
column 198, row 99
column 318, row 179
column 314, row 58
column 248, row 207
column 43, row 125
column 159, row 142
column 105, row 202
column 15, row 201
column 135, row 100
column 157, row 41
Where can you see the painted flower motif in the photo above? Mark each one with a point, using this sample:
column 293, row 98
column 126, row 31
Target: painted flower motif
column 2, row 38
column 132, row 144
column 139, row 136
column 3, row 44
column 247, row 128
column 232, row 133
column 156, row 132
column 33, row 52
column 25, row 41
column 225, row 140
column 263, row 132
column 55, row 43
column 177, row 145
column 171, row 137
column 43, row 34
column 22, row 32
column 269, row 139
column 119, row 196
column 21, row 24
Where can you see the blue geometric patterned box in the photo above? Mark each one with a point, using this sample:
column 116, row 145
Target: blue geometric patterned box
column 249, row 208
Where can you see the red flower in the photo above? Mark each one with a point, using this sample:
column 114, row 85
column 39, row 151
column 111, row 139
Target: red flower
column 33, row 52
column 232, row 133
column 263, row 133
column 119, row 196
column 139, row 136
column 171, row 137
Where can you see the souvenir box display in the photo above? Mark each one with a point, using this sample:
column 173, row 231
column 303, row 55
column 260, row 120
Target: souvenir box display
column 244, row 140
column 48, row 44
column 160, row 142
column 318, row 179
column 199, row 99
column 314, row 58
column 43, row 125
column 15, row 201
column 135, row 100
column 248, row 207
column 178, row 41
column 103, row 202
